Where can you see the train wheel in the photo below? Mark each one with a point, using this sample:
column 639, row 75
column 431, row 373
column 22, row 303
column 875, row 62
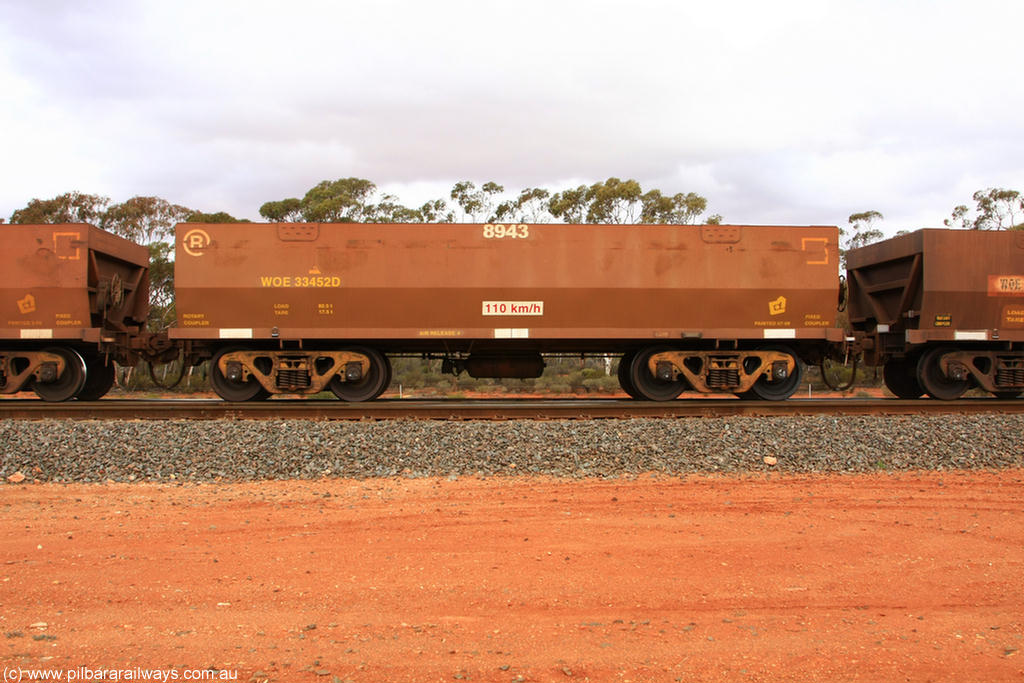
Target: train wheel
column 99, row 378
column 69, row 383
column 1006, row 394
column 372, row 384
column 767, row 389
column 934, row 382
column 234, row 390
column 647, row 385
column 624, row 375
column 900, row 377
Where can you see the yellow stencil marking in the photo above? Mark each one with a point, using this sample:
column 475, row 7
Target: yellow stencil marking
column 195, row 241
column 62, row 245
column 27, row 305
column 816, row 243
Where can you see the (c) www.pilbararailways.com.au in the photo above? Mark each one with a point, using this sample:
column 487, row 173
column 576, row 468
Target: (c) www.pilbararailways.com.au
column 13, row 674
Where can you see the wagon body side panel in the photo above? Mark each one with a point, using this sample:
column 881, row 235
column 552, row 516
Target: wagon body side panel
column 417, row 283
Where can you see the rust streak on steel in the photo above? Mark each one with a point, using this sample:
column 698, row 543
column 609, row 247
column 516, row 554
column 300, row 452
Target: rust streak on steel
column 513, row 409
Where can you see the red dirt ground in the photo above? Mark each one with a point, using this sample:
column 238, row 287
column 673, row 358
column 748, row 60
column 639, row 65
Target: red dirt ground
column 873, row 578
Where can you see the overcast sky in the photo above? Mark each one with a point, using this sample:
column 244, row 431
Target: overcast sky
column 777, row 112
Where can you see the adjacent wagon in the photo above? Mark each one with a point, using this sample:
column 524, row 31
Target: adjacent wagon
column 73, row 299
column 942, row 311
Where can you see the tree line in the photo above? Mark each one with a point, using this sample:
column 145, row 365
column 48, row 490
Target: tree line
column 609, row 201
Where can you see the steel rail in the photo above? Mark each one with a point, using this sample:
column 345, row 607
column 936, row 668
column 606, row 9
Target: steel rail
column 483, row 409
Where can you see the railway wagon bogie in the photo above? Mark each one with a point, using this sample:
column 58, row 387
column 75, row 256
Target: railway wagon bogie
column 242, row 373
column 716, row 301
column 942, row 311
column 947, row 372
column 771, row 372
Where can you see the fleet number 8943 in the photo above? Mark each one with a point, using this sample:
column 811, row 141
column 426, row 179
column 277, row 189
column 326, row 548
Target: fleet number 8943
column 499, row 231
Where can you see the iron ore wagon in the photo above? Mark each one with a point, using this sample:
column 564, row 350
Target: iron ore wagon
column 942, row 311
column 303, row 307
column 73, row 299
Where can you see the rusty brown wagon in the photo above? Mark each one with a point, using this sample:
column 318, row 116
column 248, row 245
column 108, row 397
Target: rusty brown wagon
column 942, row 311
column 304, row 307
column 73, row 299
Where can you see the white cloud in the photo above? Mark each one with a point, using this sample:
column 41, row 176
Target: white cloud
column 777, row 112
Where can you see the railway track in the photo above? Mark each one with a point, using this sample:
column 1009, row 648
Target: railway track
column 482, row 409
